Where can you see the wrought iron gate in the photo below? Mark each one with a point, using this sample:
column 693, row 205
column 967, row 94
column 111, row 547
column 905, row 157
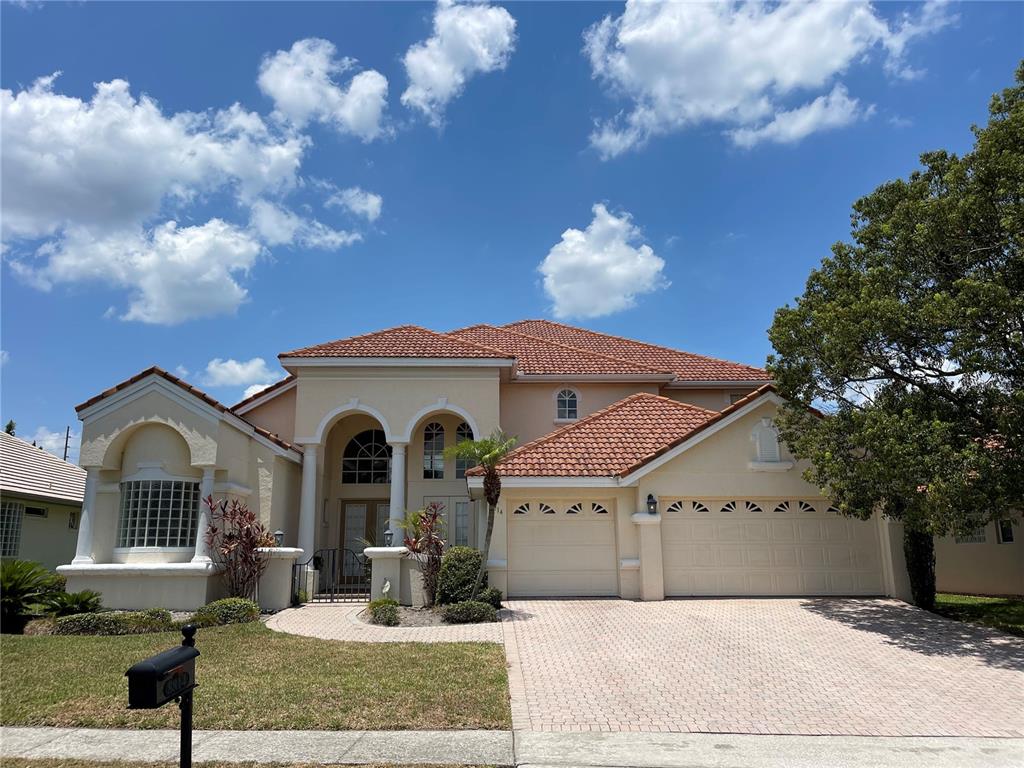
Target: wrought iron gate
column 330, row 576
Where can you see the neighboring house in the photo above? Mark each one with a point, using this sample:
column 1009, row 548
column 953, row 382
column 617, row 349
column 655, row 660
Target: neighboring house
column 40, row 503
column 610, row 429
column 989, row 561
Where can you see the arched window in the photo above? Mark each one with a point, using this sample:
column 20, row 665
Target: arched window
column 566, row 405
column 463, row 432
column 367, row 459
column 433, row 451
column 766, row 439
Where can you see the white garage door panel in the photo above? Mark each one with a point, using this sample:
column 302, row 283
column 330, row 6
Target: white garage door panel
column 561, row 554
column 758, row 549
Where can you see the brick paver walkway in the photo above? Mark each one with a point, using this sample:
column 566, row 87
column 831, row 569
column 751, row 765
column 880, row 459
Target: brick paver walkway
column 811, row 666
column 340, row 621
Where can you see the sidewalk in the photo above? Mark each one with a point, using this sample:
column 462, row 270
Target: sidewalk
column 502, row 748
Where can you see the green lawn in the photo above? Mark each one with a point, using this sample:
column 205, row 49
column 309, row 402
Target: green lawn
column 252, row 678
column 1003, row 613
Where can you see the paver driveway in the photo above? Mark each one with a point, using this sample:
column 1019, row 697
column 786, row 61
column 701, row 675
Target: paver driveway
column 797, row 666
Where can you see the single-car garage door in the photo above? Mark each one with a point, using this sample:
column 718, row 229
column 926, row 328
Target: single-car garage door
column 760, row 547
column 560, row 548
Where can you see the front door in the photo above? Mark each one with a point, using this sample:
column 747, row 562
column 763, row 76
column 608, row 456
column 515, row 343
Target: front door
column 355, row 531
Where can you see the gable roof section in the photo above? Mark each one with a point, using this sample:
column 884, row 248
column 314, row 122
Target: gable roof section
column 194, row 392
column 26, row 469
column 618, row 440
column 687, row 366
column 404, row 341
column 542, row 357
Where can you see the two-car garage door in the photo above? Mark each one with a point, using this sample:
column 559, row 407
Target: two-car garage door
column 710, row 547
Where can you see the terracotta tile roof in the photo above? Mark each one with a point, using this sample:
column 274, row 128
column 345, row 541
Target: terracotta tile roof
column 616, row 440
column 402, row 341
column 265, row 391
column 194, row 391
column 31, row 471
column 537, row 356
column 685, row 365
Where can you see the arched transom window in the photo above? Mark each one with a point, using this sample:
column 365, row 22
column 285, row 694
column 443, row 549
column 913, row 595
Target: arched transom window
column 566, row 404
column 463, row 432
column 433, row 451
column 367, row 459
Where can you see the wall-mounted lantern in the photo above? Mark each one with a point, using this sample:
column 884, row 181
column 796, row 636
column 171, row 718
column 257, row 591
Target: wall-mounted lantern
column 652, row 504
column 279, row 537
column 389, row 536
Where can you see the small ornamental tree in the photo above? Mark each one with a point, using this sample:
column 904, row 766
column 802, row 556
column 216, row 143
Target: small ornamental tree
column 485, row 454
column 423, row 538
column 234, row 537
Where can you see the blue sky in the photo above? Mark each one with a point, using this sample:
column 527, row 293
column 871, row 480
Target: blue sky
column 418, row 163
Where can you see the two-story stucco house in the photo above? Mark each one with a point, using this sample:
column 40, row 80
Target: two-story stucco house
column 642, row 471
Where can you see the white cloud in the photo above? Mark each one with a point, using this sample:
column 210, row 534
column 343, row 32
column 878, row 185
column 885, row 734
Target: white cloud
column 277, row 225
column 239, row 373
column 180, row 371
column 740, row 65
column 468, row 39
column 602, row 269
column 252, row 390
column 4, row 357
column 173, row 273
column 358, row 201
column 53, row 442
column 790, row 126
column 302, row 81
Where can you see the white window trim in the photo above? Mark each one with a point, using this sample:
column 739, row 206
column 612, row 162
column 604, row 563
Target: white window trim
column 579, row 404
column 999, row 532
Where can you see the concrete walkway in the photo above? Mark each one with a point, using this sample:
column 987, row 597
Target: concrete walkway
column 340, row 621
column 626, row 750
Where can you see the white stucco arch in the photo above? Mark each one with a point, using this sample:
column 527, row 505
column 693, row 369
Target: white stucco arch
column 440, row 406
column 201, row 449
column 352, row 406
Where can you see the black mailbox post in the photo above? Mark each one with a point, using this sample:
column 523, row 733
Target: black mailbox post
column 168, row 676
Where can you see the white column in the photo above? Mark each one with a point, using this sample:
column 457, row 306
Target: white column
column 83, row 550
column 396, row 513
column 202, row 554
column 307, row 505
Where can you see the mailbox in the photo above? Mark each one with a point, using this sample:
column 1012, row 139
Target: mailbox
column 162, row 678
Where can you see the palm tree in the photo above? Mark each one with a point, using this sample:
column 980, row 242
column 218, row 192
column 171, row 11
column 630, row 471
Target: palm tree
column 485, row 453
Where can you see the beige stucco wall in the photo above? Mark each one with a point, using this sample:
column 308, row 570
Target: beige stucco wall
column 528, row 410
column 276, row 415
column 988, row 568
column 712, row 399
column 47, row 540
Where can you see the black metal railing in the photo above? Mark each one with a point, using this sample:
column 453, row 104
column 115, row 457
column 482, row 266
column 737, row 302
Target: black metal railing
column 331, row 576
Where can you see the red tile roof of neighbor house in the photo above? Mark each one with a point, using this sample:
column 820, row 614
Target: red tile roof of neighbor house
column 402, row 341
column 194, row 391
column 536, row 356
column 687, row 366
column 615, row 440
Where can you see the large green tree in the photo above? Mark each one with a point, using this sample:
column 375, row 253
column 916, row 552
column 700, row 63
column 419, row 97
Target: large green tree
column 910, row 339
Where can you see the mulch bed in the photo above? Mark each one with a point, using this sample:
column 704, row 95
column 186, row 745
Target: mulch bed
column 410, row 617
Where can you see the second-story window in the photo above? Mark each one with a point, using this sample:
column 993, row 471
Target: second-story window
column 462, row 434
column 433, row 452
column 566, row 405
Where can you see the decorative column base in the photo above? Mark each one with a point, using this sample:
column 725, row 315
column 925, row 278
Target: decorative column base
column 385, row 569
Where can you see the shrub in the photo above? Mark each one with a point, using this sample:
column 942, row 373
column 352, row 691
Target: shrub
column 459, row 567
column 235, row 536
column 230, row 610
column 115, row 623
column 384, row 611
column 423, row 539
column 24, row 588
column 58, row 583
column 491, row 596
column 68, row 603
column 469, row 612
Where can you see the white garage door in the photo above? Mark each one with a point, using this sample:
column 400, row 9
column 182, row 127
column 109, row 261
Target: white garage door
column 561, row 548
column 758, row 547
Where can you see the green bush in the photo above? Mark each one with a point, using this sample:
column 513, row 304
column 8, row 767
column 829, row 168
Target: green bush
column 24, row 589
column 491, row 596
column 115, row 623
column 459, row 567
column 67, row 603
column 469, row 612
column 384, row 611
column 230, row 610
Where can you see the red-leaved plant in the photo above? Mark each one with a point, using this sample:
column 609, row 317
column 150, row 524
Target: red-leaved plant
column 424, row 541
column 234, row 537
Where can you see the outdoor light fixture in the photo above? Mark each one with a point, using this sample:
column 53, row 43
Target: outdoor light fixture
column 388, row 536
column 652, row 504
column 279, row 537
